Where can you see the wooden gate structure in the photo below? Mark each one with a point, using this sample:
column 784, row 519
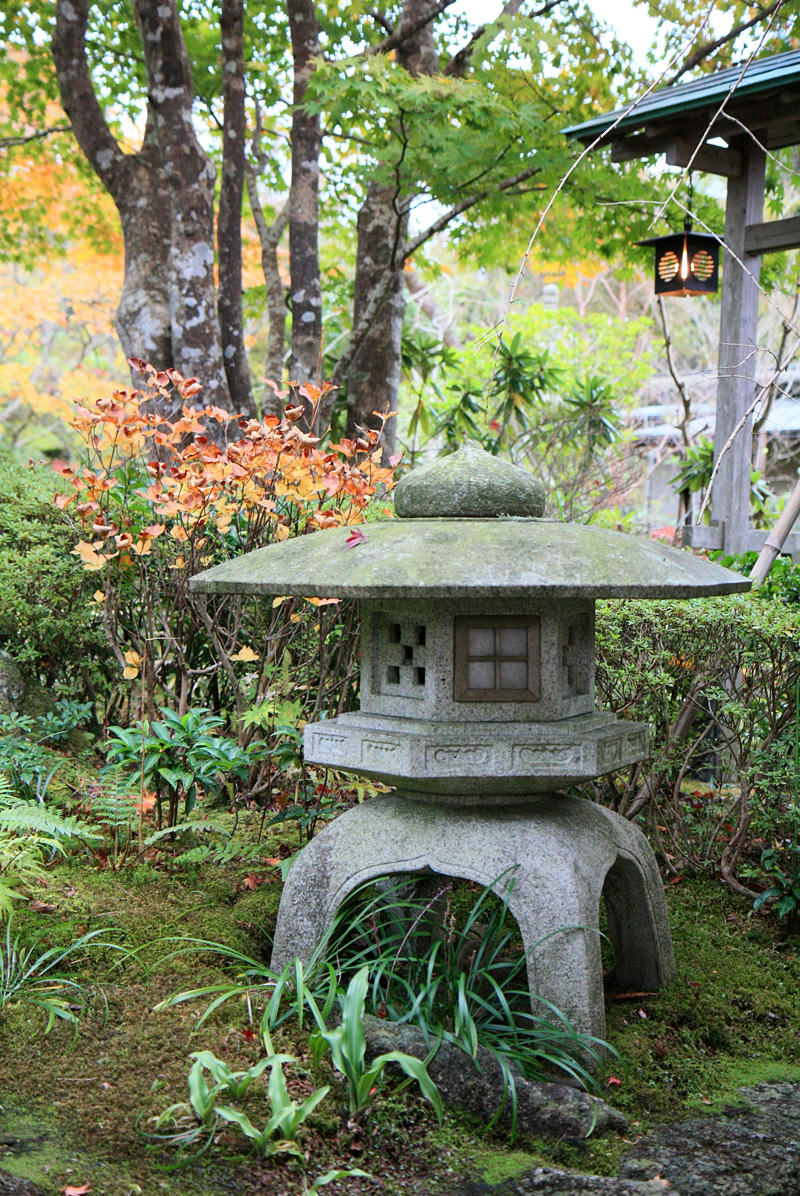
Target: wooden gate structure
column 753, row 109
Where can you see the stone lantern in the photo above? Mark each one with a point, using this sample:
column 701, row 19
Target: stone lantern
column 477, row 706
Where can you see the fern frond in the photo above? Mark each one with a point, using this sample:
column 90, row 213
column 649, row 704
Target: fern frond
column 25, row 818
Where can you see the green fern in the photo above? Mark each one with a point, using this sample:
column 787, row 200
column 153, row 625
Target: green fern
column 58, row 829
column 30, row 834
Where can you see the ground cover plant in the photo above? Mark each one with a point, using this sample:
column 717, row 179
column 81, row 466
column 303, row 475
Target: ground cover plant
column 729, row 1018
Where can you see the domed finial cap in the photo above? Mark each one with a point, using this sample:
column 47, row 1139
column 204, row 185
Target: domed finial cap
column 469, row 484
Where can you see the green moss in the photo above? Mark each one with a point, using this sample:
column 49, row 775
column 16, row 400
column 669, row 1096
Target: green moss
column 496, row 1165
column 729, row 1020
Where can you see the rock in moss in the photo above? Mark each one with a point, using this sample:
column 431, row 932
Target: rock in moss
column 754, row 1151
column 543, row 1109
column 12, row 685
column 544, row 1181
column 12, row 1185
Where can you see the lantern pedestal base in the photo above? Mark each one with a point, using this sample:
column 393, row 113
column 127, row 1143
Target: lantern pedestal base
column 562, row 853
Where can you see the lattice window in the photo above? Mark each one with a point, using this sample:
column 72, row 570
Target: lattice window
column 497, row 660
column 400, row 657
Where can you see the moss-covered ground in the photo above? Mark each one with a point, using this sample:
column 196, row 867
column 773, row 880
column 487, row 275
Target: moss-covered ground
column 77, row 1109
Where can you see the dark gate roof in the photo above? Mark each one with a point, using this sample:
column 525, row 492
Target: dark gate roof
column 766, row 94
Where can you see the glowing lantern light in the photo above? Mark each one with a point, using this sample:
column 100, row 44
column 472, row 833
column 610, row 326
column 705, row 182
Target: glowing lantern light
column 686, row 263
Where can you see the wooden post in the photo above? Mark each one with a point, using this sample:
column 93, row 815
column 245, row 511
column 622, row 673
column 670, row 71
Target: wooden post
column 730, row 499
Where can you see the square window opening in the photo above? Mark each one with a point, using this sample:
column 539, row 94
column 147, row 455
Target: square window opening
column 497, row 659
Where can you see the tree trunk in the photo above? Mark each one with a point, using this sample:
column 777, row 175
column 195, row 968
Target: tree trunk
column 306, row 296
column 373, row 376
column 229, row 228
column 189, row 176
column 269, row 235
column 135, row 183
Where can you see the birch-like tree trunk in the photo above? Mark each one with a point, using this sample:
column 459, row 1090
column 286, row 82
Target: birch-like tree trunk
column 306, row 296
column 373, row 376
column 189, row 176
column 136, row 184
column 229, row 224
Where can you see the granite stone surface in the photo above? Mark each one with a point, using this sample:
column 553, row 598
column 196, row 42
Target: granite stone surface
column 446, row 558
column 466, row 762
column 558, row 854
column 468, row 484
column 544, row 1109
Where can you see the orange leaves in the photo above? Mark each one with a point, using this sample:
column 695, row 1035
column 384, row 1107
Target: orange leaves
column 133, row 663
column 245, row 654
column 92, row 561
column 272, row 482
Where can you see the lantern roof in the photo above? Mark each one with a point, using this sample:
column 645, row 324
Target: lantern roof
column 470, row 525
column 751, row 84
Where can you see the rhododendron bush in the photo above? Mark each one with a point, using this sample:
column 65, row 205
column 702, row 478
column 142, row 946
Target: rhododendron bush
column 165, row 489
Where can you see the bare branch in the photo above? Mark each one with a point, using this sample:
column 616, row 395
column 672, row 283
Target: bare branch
column 380, row 19
column 707, row 48
column 470, row 201
column 680, row 385
column 761, row 393
column 404, row 31
column 458, row 64
column 23, row 139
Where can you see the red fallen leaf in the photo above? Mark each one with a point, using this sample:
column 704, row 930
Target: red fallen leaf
column 272, row 860
column 41, row 907
column 676, row 880
column 252, row 881
column 249, row 1035
column 612, row 1082
column 356, row 537
column 80, row 1190
column 70, row 891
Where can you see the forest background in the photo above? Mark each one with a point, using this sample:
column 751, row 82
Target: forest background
column 290, row 190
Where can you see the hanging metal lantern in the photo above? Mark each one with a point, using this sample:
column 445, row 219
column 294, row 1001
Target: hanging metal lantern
column 686, row 263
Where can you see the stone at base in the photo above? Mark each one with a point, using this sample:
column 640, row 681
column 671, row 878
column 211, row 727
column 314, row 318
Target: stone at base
column 544, row 1110
column 543, row 1181
column 12, row 1185
column 752, row 1151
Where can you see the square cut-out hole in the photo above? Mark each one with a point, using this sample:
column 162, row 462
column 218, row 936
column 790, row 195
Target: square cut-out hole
column 408, row 654
column 419, row 636
column 393, row 633
column 419, row 676
column 393, row 674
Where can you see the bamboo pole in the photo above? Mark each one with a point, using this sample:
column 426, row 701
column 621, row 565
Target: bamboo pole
column 777, row 537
